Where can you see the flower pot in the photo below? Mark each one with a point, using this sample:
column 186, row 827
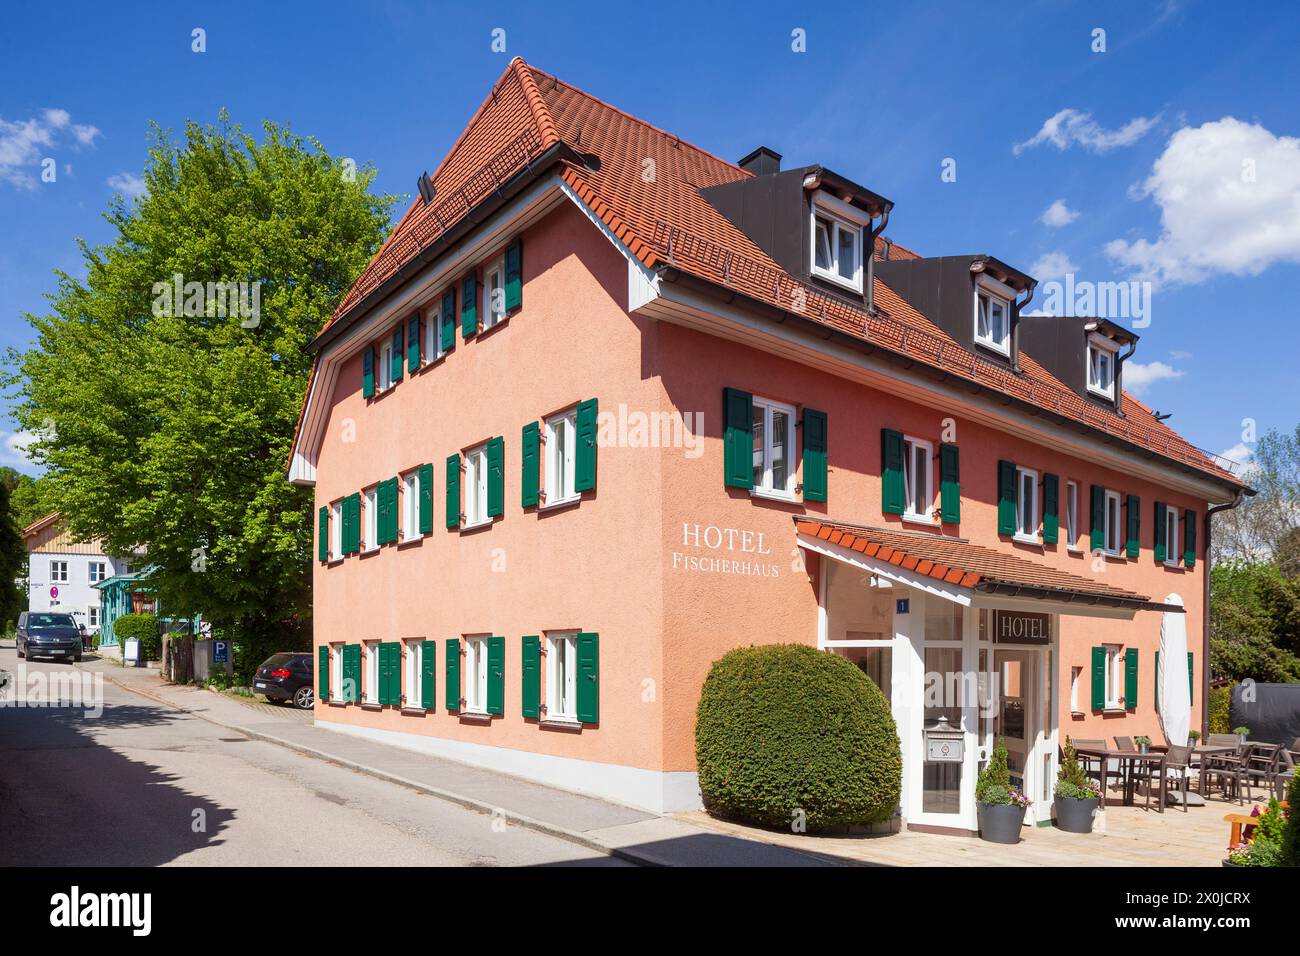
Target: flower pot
column 1236, row 866
column 1074, row 814
column 1000, row 823
column 1142, row 748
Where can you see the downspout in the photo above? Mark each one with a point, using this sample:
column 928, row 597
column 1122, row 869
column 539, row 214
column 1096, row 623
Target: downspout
column 1015, row 342
column 871, row 258
column 1205, row 616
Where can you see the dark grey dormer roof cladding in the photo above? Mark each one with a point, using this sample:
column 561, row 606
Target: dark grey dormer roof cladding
column 1060, row 345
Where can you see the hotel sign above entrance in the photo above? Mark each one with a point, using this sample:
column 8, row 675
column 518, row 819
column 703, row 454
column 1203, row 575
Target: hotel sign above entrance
column 1022, row 627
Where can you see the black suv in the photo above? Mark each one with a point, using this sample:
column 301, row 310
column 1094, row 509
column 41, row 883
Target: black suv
column 47, row 634
column 286, row 676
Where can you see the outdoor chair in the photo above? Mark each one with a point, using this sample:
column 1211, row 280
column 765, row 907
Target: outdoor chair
column 1227, row 768
column 1224, row 740
column 1286, row 768
column 1264, row 764
column 1178, row 761
column 1132, row 771
column 1091, row 765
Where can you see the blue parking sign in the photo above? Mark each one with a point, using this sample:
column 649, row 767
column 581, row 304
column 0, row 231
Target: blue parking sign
column 220, row 652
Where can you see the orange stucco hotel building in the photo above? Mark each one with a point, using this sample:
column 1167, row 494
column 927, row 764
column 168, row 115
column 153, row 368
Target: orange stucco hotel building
column 605, row 406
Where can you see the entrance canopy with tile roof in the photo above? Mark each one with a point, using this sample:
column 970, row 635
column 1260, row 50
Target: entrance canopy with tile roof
column 957, row 565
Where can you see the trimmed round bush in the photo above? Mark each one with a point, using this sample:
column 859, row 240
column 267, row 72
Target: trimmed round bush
column 144, row 627
column 785, row 728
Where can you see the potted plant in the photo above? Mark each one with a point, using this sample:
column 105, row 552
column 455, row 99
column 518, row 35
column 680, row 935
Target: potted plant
column 1242, row 733
column 1193, row 738
column 1077, row 797
column 1001, row 807
column 1261, row 843
column 1143, row 743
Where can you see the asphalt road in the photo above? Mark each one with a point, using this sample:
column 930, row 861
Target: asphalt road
column 143, row 785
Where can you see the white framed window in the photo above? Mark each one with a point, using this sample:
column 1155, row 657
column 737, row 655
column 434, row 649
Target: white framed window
column 370, row 529
column 837, row 243
column 383, row 374
column 97, row 571
column 494, row 289
column 59, row 571
column 411, row 505
column 414, row 674
column 92, row 616
column 918, row 480
column 773, row 456
column 372, row 672
column 336, row 530
column 476, row 485
column 1026, row 505
column 1172, row 554
column 1102, row 359
column 561, row 440
column 474, row 677
column 1072, row 515
column 993, row 314
column 336, row 672
column 433, row 349
column 1113, row 537
column 562, row 676
column 1114, row 676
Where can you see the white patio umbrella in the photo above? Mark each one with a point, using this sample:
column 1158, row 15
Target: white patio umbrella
column 1172, row 680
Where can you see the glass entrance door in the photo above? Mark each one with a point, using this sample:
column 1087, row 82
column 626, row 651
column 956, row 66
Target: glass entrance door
column 1017, row 710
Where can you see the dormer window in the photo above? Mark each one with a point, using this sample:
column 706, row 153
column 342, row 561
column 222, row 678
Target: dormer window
column 1102, row 360
column 837, row 242
column 993, row 314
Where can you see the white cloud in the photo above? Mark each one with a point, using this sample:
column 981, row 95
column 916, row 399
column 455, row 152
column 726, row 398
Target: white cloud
column 1240, row 453
column 1058, row 214
column 1229, row 198
column 13, row 449
column 1180, row 356
column 129, row 184
column 1138, row 377
column 24, row 143
column 1052, row 265
column 1071, row 127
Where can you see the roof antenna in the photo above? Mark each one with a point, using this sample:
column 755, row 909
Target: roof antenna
column 427, row 190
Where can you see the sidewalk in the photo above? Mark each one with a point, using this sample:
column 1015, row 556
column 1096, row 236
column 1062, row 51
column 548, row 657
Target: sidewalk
column 630, row 834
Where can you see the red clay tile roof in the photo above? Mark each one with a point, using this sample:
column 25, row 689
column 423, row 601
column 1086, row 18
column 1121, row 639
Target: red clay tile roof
column 957, row 562
column 662, row 218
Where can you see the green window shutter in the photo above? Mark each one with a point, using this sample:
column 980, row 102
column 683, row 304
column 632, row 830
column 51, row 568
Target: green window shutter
column 1162, row 544
column 428, row 674
column 814, row 455
column 584, row 455
column 737, row 438
column 892, row 495
column 426, row 498
column 323, row 535
column 390, row 673
column 394, row 509
column 345, row 544
column 413, row 343
column 1133, row 538
column 532, row 676
column 447, row 334
column 1099, row 678
column 950, row 484
column 1189, row 538
column 496, row 464
column 368, row 372
column 1191, row 676
column 453, row 491
column 1006, row 497
column 1131, row 679
column 352, row 516
column 530, row 457
column 496, row 678
column 1097, row 513
column 469, row 306
column 514, row 275
column 351, row 673
column 453, row 674
column 589, row 678
column 395, row 360
column 323, row 673
column 1051, row 508
column 381, row 519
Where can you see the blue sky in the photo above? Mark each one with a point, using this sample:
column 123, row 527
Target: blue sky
column 1170, row 157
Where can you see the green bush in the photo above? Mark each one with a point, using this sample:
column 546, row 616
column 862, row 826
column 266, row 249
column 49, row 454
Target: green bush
column 145, row 628
column 1220, row 700
column 1291, row 833
column 786, row 730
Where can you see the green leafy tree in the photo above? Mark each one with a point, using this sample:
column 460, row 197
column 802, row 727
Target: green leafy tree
column 168, row 424
column 29, row 498
column 13, row 565
column 1254, row 622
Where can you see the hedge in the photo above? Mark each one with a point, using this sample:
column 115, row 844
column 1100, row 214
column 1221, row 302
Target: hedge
column 144, row 627
column 1220, row 702
column 785, row 733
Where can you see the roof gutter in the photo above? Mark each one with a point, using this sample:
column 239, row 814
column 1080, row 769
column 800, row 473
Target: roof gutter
column 1072, row 597
column 536, row 168
column 1205, row 615
column 674, row 275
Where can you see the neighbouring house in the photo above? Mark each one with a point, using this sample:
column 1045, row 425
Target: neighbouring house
column 605, row 406
column 64, row 573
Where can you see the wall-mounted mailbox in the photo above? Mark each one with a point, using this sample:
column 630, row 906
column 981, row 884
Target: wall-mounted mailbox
column 943, row 743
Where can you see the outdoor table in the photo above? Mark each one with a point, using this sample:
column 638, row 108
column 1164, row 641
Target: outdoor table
column 1127, row 759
